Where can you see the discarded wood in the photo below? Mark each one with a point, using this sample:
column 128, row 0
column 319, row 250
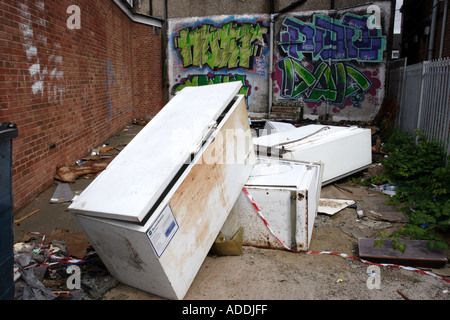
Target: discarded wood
column 28, row 215
column 416, row 253
column 403, row 296
column 106, row 149
column 72, row 173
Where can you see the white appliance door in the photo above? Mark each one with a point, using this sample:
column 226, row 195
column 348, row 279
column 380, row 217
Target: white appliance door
column 137, row 177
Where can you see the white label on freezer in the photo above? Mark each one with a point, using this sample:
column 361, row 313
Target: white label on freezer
column 162, row 231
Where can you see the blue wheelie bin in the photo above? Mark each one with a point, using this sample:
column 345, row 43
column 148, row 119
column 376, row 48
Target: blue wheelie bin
column 8, row 131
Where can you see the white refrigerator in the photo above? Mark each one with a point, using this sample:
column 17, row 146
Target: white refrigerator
column 287, row 195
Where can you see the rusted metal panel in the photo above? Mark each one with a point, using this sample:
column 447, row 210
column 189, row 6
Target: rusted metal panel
column 271, row 184
column 163, row 254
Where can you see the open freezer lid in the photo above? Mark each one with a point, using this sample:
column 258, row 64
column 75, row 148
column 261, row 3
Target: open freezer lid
column 138, row 176
column 302, row 136
column 271, row 172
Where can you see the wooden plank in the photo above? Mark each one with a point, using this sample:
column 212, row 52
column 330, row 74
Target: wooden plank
column 416, row 253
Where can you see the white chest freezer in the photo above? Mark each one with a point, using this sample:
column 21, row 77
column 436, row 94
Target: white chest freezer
column 342, row 150
column 154, row 213
column 287, row 194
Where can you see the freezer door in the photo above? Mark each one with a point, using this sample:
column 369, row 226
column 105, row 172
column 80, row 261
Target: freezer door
column 138, row 176
column 278, row 173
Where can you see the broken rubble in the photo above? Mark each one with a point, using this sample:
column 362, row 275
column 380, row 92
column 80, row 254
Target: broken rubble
column 42, row 270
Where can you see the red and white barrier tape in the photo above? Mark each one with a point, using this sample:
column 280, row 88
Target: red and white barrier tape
column 337, row 253
column 265, row 221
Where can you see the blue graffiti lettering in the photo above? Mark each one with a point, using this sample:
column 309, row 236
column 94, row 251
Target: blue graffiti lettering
column 326, row 38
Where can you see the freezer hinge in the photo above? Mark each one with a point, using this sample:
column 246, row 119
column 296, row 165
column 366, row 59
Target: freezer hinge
column 294, row 220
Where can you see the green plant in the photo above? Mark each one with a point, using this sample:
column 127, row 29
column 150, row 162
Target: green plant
column 423, row 184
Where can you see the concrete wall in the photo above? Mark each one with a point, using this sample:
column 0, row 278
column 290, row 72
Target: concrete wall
column 68, row 90
column 325, row 62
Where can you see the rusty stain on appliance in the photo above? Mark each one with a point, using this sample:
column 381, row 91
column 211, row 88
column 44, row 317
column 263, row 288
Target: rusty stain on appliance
column 203, row 181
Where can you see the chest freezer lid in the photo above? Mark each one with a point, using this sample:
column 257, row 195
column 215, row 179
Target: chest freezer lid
column 302, row 136
column 138, row 176
column 269, row 172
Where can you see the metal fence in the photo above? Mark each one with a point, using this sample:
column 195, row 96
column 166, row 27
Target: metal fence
column 423, row 93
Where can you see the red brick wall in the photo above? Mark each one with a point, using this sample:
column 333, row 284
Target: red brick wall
column 71, row 88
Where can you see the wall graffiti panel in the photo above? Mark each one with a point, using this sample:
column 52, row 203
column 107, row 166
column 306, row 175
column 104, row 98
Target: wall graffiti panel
column 221, row 49
column 332, row 62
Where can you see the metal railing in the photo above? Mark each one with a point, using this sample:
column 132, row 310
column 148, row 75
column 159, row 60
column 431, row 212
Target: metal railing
column 423, row 93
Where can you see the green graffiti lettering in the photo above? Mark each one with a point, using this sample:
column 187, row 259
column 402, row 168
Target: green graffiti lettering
column 202, row 80
column 233, row 45
column 334, row 83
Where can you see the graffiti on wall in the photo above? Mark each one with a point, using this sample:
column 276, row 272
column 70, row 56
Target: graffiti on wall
column 203, row 80
column 47, row 77
column 233, row 45
column 345, row 39
column 332, row 60
column 218, row 50
column 335, row 83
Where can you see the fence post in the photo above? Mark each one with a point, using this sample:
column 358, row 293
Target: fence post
column 419, row 110
column 399, row 117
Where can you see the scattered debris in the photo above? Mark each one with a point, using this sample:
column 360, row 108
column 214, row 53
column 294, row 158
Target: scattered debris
column 43, row 269
column 387, row 188
column 62, row 194
column 106, row 149
column 403, row 296
column 93, row 165
column 141, row 122
column 77, row 244
column 333, row 206
column 388, row 216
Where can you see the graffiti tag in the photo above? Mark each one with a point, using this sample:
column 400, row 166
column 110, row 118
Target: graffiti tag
column 203, row 80
column 333, row 83
column 234, row 45
column 326, row 38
